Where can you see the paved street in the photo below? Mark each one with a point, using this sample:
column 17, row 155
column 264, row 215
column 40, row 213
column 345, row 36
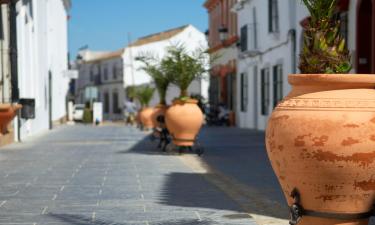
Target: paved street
column 82, row 175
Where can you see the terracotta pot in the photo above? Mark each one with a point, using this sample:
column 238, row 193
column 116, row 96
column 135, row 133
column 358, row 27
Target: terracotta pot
column 145, row 116
column 320, row 140
column 7, row 114
column 159, row 110
column 184, row 119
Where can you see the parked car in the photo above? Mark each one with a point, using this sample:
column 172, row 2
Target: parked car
column 78, row 111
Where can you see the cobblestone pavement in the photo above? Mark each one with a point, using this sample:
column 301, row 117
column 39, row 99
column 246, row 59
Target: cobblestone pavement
column 110, row 175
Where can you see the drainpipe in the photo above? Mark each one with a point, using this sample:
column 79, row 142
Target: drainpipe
column 293, row 38
column 13, row 50
column 14, row 59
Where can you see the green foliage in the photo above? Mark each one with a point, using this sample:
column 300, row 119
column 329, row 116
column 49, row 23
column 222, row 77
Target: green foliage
column 144, row 95
column 182, row 68
column 131, row 92
column 324, row 48
column 87, row 115
column 153, row 68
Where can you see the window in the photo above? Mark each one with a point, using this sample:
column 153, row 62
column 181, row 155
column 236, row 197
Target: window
column 106, row 103
column 115, row 104
column 91, row 75
column 244, row 38
column 105, row 73
column 254, row 31
column 230, row 83
column 244, row 92
column 114, row 72
column 273, row 16
column 265, row 90
column 277, row 84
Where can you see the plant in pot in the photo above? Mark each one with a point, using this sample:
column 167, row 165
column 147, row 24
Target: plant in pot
column 153, row 68
column 184, row 118
column 144, row 95
column 320, row 138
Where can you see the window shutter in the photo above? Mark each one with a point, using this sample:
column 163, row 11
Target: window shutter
column 244, row 38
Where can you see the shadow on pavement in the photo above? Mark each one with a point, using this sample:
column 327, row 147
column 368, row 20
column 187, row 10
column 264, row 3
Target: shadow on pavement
column 193, row 190
column 73, row 219
column 79, row 220
column 238, row 154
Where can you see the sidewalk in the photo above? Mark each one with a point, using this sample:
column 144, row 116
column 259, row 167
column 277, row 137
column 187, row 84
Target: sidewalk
column 86, row 175
column 236, row 161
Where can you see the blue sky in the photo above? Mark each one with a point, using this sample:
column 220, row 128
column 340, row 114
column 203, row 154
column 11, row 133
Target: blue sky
column 105, row 24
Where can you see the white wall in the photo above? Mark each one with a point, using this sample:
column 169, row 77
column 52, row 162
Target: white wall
column 191, row 38
column 42, row 46
column 58, row 56
column 274, row 49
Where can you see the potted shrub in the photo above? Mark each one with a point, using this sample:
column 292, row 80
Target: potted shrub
column 153, row 68
column 145, row 94
column 320, row 138
column 184, row 118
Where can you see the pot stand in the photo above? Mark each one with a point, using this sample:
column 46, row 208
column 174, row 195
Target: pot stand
column 198, row 149
column 162, row 133
column 297, row 212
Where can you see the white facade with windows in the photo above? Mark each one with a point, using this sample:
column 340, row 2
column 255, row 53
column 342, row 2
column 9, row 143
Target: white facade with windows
column 156, row 45
column 266, row 56
column 101, row 79
column 42, row 46
column 270, row 42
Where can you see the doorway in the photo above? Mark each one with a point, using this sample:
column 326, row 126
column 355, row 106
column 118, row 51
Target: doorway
column 365, row 37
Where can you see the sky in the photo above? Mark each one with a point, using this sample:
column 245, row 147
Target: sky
column 105, row 24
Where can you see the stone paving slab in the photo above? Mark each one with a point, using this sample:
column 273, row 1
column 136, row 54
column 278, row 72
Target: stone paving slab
column 108, row 175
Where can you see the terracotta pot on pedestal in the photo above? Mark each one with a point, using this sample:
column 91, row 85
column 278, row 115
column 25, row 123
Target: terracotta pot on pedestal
column 321, row 143
column 146, row 117
column 7, row 114
column 184, row 119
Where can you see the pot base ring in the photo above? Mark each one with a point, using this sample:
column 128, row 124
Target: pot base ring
column 297, row 212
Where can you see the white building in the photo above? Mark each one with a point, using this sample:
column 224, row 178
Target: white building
column 42, row 46
column 271, row 38
column 156, row 44
column 101, row 79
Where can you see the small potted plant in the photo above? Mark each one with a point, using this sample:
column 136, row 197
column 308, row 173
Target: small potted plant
column 144, row 95
column 320, row 138
column 153, row 68
column 184, row 118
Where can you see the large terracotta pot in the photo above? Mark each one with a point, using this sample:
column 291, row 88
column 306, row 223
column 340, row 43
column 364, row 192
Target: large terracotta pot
column 321, row 142
column 159, row 110
column 146, row 117
column 184, row 119
column 7, row 114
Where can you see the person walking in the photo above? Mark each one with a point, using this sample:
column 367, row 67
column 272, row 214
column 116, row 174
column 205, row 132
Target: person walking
column 130, row 110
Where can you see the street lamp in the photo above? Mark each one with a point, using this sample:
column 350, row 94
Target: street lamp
column 223, row 33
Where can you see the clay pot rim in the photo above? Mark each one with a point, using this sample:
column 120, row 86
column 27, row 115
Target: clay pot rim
column 187, row 101
column 361, row 80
